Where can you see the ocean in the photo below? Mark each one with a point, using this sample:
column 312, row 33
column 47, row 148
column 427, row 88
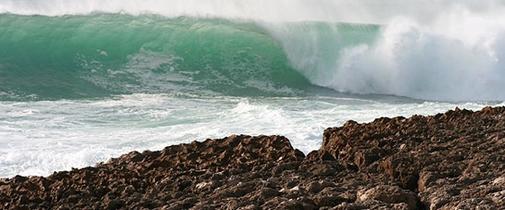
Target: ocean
column 84, row 81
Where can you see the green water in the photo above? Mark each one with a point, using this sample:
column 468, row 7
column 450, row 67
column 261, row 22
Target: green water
column 103, row 54
column 77, row 90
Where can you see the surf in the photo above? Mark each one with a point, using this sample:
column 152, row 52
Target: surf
column 447, row 51
column 82, row 81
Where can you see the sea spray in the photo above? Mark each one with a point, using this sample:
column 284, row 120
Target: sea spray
column 442, row 50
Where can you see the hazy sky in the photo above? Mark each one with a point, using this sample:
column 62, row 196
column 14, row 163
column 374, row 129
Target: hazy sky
column 373, row 11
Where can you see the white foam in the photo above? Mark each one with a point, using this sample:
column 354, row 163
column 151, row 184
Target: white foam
column 458, row 56
column 38, row 138
column 438, row 49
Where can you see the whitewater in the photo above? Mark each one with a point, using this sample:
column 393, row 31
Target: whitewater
column 84, row 81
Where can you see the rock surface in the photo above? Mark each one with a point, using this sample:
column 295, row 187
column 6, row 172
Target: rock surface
column 454, row 160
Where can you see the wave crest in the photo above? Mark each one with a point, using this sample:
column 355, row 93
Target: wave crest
column 458, row 54
column 100, row 55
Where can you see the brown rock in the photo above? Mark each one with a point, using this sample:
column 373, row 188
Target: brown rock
column 390, row 195
column 322, row 170
column 453, row 160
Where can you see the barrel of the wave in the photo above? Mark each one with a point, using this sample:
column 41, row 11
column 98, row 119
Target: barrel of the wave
column 104, row 54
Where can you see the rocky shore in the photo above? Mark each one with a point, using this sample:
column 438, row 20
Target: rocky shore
column 454, row 160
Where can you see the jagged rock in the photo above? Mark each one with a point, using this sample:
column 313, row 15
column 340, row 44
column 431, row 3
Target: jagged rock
column 454, row 160
column 390, row 195
column 322, row 169
column 444, row 158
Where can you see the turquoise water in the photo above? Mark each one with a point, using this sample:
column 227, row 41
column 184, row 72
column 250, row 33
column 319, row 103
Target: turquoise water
column 79, row 89
column 102, row 55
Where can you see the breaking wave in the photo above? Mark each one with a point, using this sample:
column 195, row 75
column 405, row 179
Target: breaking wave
column 95, row 48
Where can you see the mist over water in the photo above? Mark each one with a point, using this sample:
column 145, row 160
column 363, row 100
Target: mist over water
column 363, row 11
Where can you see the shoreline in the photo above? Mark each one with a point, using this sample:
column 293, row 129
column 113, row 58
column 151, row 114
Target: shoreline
column 451, row 160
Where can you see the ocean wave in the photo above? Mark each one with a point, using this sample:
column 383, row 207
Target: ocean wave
column 100, row 55
column 93, row 49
